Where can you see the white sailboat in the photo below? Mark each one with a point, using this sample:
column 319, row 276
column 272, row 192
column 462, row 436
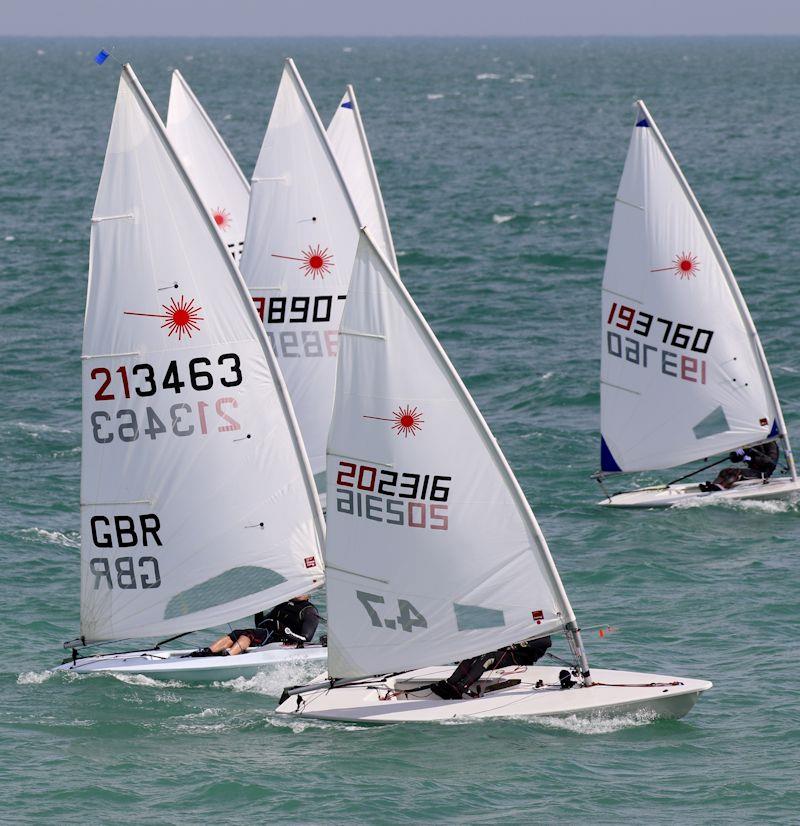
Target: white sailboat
column 302, row 233
column 683, row 372
column 214, row 171
column 198, row 506
column 433, row 553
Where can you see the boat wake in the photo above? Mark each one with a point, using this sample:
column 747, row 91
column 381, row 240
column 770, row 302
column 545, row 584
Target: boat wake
column 272, row 682
column 143, row 680
column 759, row 505
column 598, row 723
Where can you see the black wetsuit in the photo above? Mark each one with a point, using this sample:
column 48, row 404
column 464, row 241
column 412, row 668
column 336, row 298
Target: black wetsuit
column 298, row 616
column 761, row 460
column 470, row 671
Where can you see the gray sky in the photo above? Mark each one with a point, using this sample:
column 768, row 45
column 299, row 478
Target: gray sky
column 343, row 18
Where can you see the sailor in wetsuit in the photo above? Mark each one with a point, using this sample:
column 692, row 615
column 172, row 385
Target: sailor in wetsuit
column 760, row 461
column 470, row 671
column 293, row 622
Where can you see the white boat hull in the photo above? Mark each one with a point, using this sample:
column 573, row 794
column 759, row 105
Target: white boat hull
column 667, row 497
column 173, row 665
column 385, row 700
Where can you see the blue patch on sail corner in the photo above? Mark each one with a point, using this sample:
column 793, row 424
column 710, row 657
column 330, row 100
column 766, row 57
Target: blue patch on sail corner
column 642, row 122
column 774, row 432
column 608, row 464
column 347, row 105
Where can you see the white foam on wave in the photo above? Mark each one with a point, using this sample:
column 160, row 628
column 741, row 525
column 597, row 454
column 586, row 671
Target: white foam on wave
column 271, row 682
column 34, row 677
column 35, row 429
column 435, row 96
column 758, row 505
column 143, row 680
column 301, row 724
column 487, row 76
column 598, row 723
column 521, row 78
column 72, row 539
column 502, row 219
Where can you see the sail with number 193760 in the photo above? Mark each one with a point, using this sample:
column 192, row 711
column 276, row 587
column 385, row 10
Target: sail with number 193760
column 197, row 503
column 683, row 372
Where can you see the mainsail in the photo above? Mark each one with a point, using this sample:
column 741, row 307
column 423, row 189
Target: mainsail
column 302, row 233
column 683, row 374
column 433, row 552
column 349, row 142
column 217, row 177
column 197, row 502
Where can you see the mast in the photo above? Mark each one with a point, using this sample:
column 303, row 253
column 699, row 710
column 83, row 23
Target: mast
column 236, row 276
column 730, row 279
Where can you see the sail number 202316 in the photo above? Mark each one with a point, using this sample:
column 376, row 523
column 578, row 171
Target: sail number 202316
column 412, row 500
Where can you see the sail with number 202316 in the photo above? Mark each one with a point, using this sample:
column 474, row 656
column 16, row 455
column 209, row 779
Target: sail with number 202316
column 683, row 373
column 197, row 503
column 433, row 553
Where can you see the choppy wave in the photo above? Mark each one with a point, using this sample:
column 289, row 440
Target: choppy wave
column 34, row 677
column 435, row 96
column 487, row 76
column 503, row 219
column 70, row 539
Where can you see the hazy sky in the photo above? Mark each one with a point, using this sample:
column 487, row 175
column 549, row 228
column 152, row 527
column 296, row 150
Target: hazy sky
column 343, row 18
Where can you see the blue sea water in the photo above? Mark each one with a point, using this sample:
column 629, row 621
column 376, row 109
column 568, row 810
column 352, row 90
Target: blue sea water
column 499, row 162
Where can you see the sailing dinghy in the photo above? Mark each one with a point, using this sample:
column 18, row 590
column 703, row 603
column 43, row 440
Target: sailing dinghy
column 198, row 506
column 683, row 373
column 214, row 171
column 433, row 553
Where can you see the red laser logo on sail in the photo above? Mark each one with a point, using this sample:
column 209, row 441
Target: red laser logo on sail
column 222, row 218
column 180, row 317
column 315, row 261
column 405, row 420
column 685, row 265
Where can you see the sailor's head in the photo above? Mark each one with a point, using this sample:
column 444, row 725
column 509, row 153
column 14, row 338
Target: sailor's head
column 301, row 596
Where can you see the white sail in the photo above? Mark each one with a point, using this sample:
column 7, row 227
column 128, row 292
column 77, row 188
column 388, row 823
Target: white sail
column 349, row 142
column 197, row 502
column 302, row 233
column 683, row 375
column 213, row 169
column 433, row 553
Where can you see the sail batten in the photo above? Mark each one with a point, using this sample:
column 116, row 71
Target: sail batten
column 198, row 505
column 445, row 533
column 685, row 350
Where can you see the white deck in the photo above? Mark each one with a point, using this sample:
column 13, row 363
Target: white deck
column 665, row 497
column 171, row 665
column 385, row 701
